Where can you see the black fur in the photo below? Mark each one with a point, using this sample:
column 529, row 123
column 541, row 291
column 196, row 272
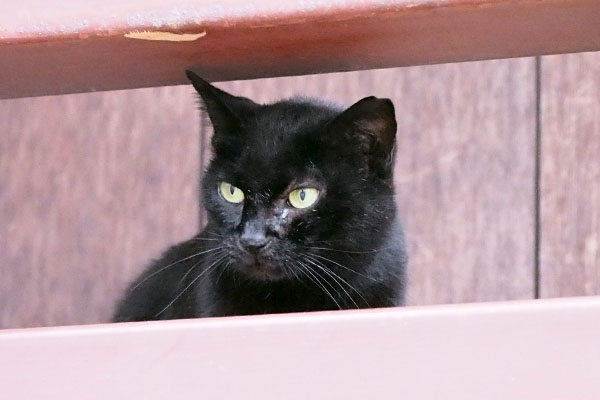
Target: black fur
column 265, row 256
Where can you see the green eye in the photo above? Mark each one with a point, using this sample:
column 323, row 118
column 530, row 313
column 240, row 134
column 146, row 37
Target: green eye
column 231, row 193
column 303, row 197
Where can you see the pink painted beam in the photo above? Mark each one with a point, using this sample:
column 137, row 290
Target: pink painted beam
column 65, row 46
column 544, row 349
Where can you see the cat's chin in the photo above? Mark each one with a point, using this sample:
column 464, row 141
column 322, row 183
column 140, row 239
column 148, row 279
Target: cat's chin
column 264, row 272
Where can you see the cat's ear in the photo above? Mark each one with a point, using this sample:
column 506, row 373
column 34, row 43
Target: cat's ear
column 369, row 127
column 226, row 112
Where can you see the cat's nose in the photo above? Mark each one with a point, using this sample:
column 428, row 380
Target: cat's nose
column 253, row 240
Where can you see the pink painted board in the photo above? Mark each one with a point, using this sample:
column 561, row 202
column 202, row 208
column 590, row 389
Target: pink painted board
column 541, row 349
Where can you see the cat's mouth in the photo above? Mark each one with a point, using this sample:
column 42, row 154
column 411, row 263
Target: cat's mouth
column 264, row 271
column 259, row 265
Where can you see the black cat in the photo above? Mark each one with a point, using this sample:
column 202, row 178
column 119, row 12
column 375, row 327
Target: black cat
column 301, row 215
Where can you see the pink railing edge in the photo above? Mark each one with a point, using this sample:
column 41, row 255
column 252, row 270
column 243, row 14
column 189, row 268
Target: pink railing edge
column 517, row 350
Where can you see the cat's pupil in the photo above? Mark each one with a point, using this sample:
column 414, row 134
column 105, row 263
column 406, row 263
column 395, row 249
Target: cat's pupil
column 231, row 190
column 302, row 195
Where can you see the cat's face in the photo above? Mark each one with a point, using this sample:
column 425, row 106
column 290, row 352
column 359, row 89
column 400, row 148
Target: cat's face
column 292, row 178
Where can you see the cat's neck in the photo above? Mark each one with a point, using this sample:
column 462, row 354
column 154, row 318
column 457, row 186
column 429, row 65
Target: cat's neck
column 238, row 295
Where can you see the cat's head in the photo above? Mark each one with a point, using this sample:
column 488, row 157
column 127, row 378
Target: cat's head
column 297, row 179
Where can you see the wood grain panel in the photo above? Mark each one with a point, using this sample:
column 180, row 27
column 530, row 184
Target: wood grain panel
column 570, row 180
column 91, row 187
column 465, row 169
column 55, row 47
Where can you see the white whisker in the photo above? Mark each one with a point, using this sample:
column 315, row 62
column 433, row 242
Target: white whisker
column 216, row 255
column 335, row 278
column 210, row 267
column 347, row 251
column 329, row 271
column 170, row 265
column 317, row 282
column 344, row 267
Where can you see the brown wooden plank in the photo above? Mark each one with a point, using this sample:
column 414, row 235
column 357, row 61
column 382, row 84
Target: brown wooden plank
column 74, row 46
column 570, row 180
column 477, row 351
column 91, row 187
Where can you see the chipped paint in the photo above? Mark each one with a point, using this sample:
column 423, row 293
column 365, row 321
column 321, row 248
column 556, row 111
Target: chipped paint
column 165, row 36
column 97, row 16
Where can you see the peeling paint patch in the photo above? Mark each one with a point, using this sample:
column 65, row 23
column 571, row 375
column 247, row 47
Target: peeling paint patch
column 165, row 36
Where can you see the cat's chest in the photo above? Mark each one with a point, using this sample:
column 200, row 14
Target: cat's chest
column 243, row 298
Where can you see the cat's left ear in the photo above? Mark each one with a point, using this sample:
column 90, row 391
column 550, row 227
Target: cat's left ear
column 226, row 111
column 370, row 126
column 227, row 114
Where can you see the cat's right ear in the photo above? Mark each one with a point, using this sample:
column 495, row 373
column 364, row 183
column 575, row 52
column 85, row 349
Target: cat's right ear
column 226, row 112
column 368, row 130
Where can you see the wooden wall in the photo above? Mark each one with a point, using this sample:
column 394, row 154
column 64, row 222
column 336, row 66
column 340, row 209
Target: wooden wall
column 570, row 184
column 93, row 186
